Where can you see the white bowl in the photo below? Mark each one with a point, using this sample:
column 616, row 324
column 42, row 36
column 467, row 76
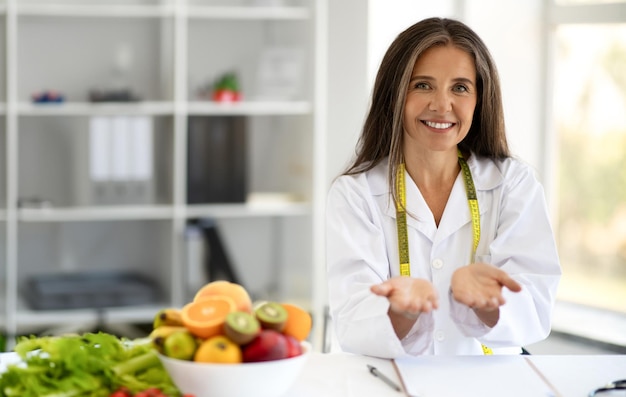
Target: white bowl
column 262, row 379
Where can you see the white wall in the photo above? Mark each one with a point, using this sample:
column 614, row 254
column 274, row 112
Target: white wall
column 512, row 30
column 388, row 18
column 347, row 80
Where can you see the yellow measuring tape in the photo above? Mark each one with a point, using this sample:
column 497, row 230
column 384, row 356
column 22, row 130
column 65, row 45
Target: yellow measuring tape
column 403, row 240
column 473, row 203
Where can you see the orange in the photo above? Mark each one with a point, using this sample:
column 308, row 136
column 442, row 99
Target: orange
column 221, row 287
column 218, row 349
column 205, row 317
column 299, row 322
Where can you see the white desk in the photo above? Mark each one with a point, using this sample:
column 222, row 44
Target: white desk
column 344, row 375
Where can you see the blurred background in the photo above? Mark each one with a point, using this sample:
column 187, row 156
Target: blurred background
column 149, row 146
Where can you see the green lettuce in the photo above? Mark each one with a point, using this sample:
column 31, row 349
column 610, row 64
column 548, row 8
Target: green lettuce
column 91, row 364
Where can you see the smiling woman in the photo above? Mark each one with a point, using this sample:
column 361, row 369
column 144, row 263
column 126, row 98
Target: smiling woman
column 428, row 229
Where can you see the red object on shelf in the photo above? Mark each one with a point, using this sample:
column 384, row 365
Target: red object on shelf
column 226, row 96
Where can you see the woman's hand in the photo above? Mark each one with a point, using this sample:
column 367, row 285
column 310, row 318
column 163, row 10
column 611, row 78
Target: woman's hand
column 479, row 286
column 408, row 296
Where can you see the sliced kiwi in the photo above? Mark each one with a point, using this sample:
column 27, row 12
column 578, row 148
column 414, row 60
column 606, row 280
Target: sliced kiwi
column 241, row 327
column 271, row 315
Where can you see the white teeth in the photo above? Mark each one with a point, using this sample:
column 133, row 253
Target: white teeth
column 439, row 126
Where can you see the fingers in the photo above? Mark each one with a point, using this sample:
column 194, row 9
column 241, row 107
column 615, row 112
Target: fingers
column 418, row 304
column 507, row 281
column 480, row 298
column 413, row 308
column 381, row 289
column 408, row 296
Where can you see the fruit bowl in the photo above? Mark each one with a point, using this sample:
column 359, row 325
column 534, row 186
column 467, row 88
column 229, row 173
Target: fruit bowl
column 259, row 379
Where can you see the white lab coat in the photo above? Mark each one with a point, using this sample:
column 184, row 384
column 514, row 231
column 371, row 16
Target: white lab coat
column 362, row 250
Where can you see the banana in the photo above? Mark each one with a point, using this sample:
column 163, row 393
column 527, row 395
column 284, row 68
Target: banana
column 168, row 316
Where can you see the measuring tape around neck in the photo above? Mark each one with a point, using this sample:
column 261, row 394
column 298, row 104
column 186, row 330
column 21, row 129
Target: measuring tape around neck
column 403, row 240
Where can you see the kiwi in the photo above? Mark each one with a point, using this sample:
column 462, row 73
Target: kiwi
column 271, row 315
column 241, row 327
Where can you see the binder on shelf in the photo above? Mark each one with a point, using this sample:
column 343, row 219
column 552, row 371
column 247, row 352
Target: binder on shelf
column 141, row 189
column 100, row 160
column 120, row 160
column 216, row 161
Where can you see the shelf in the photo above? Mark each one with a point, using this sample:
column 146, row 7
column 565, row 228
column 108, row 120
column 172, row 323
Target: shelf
column 95, row 109
column 77, row 214
column 161, row 11
column 195, row 108
column 108, row 10
column 81, row 317
column 156, row 212
column 260, row 12
column 249, row 108
column 248, row 210
column 168, row 52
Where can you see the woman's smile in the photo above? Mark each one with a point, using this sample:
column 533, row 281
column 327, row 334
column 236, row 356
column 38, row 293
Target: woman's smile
column 438, row 126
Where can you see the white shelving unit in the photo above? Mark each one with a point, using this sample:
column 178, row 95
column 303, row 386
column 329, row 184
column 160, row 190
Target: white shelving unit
column 168, row 49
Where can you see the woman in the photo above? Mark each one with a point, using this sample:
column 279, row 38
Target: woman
column 438, row 241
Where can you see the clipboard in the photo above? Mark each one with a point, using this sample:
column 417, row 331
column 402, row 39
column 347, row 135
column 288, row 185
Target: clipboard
column 453, row 376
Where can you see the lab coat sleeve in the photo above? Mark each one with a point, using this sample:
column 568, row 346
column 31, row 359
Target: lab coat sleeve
column 356, row 260
column 524, row 247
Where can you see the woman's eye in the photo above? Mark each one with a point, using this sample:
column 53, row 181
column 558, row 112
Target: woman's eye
column 422, row 86
column 460, row 88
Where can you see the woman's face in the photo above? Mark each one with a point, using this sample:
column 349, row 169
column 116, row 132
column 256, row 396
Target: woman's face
column 440, row 100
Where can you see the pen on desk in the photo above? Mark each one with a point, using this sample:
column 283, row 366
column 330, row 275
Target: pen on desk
column 374, row 371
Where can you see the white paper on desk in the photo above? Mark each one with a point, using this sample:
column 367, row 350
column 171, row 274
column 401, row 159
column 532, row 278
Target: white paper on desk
column 578, row 375
column 467, row 376
column 342, row 375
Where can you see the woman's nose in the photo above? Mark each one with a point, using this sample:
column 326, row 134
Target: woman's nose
column 440, row 102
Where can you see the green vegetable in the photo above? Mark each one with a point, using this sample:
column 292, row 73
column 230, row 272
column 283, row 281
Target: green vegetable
column 228, row 81
column 88, row 365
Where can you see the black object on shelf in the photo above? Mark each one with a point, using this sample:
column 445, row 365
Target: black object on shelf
column 87, row 290
column 218, row 264
column 122, row 95
column 216, row 160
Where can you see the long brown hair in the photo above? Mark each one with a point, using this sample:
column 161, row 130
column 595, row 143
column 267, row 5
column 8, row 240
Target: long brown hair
column 382, row 133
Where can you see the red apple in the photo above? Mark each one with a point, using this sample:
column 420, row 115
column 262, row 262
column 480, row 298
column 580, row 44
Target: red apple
column 267, row 346
column 294, row 348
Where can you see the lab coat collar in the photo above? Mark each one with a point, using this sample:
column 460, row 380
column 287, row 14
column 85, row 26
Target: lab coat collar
column 486, row 175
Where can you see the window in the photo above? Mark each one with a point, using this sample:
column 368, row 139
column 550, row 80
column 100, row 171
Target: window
column 589, row 114
column 571, row 2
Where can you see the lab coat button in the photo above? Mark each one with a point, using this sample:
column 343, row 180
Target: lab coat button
column 437, row 263
column 439, row 336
